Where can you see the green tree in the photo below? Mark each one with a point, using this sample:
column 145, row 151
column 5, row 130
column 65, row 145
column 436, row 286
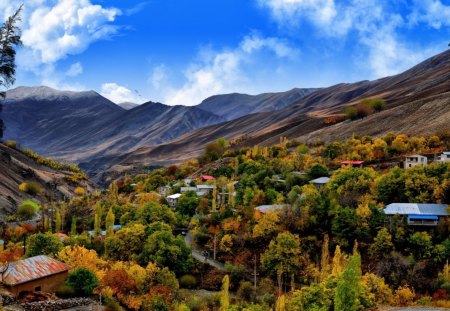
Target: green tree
column 421, row 245
column 348, row 287
column 187, row 203
column 166, row 250
column 317, row 170
column 382, row 245
column 126, row 244
column 43, row 244
column 151, row 212
column 73, row 226
column 83, row 281
column 9, row 40
column 283, row 256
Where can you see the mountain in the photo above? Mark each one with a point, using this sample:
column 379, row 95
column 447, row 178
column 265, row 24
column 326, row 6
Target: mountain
column 233, row 106
column 418, row 103
column 128, row 105
column 16, row 168
column 76, row 126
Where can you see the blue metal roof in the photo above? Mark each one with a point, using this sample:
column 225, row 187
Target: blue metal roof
column 428, row 217
column 416, row 209
column 320, row 180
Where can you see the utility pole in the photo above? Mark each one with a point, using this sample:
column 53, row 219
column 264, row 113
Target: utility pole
column 255, row 273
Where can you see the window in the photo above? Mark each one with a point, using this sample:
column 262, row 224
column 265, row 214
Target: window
column 37, row 289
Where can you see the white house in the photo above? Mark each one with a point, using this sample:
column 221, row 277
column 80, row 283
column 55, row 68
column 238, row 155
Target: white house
column 173, row 199
column 320, row 182
column 415, row 160
column 444, row 157
column 205, row 188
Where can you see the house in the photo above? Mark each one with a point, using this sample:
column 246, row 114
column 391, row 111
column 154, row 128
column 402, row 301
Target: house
column 173, row 199
column 207, row 177
column 320, row 182
column 444, row 157
column 164, row 190
column 205, row 188
column 415, row 160
column 264, row 209
column 418, row 214
column 352, row 163
column 184, row 189
column 39, row 273
column 187, row 181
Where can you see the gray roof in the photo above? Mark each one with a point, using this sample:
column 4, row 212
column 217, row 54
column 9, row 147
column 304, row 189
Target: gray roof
column 205, row 187
column 184, row 189
column 416, row 209
column 416, row 156
column 446, row 152
column 320, row 180
column 269, row 208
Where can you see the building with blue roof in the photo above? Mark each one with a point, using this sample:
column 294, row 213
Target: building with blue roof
column 419, row 214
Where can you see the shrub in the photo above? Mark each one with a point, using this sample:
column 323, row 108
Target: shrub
column 11, row 144
column 79, row 191
column 27, row 209
column 32, row 188
column 188, row 281
column 83, row 281
column 403, row 296
column 245, row 291
column 351, row 113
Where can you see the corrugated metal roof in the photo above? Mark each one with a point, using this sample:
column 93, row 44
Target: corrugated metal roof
column 174, row 196
column 320, row 180
column 33, row 268
column 268, row 208
column 416, row 209
column 205, row 187
column 352, row 162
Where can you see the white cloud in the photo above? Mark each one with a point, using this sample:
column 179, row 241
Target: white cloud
column 222, row 72
column 432, row 12
column 158, row 77
column 75, row 70
column 120, row 94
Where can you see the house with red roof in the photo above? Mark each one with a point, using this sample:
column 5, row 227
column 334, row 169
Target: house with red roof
column 34, row 274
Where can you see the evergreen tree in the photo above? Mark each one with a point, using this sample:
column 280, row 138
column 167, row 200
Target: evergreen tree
column 9, row 39
column 97, row 229
column 73, row 227
column 230, row 187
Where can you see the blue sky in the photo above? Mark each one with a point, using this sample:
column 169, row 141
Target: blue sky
column 180, row 51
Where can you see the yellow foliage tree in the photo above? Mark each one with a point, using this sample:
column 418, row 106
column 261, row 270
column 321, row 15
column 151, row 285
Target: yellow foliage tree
column 77, row 256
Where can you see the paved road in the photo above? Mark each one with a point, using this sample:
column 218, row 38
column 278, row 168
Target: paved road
column 198, row 254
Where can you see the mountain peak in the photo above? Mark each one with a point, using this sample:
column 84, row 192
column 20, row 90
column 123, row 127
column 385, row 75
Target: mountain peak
column 44, row 93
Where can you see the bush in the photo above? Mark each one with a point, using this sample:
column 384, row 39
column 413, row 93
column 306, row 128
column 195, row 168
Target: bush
column 32, row 188
column 403, row 296
column 188, row 281
column 79, row 191
column 351, row 113
column 27, row 209
column 83, row 281
column 11, row 144
column 246, row 291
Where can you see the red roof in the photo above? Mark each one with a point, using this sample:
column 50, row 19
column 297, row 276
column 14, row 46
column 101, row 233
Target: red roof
column 352, row 162
column 207, row 177
column 26, row 270
column 61, row 235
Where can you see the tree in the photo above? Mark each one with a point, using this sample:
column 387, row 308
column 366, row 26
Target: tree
column 382, row 245
column 58, row 221
column 325, row 258
column 83, row 281
column 126, row 244
column 224, row 294
column 166, row 250
column 80, row 257
column 9, row 40
column 421, row 245
column 43, row 244
column 348, row 287
column 317, row 170
column 151, row 212
column 283, row 256
column 187, row 204
column 109, row 222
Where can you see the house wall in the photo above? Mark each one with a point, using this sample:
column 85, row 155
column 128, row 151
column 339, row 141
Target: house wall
column 47, row 284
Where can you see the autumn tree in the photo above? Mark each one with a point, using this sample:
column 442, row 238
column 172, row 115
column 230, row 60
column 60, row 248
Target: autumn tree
column 126, row 244
column 109, row 223
column 283, row 256
column 43, row 244
column 382, row 245
column 224, row 294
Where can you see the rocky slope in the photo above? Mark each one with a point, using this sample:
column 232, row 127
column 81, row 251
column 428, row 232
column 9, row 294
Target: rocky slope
column 233, row 106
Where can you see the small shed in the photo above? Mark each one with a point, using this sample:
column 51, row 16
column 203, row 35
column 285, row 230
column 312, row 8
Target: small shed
column 418, row 214
column 34, row 274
